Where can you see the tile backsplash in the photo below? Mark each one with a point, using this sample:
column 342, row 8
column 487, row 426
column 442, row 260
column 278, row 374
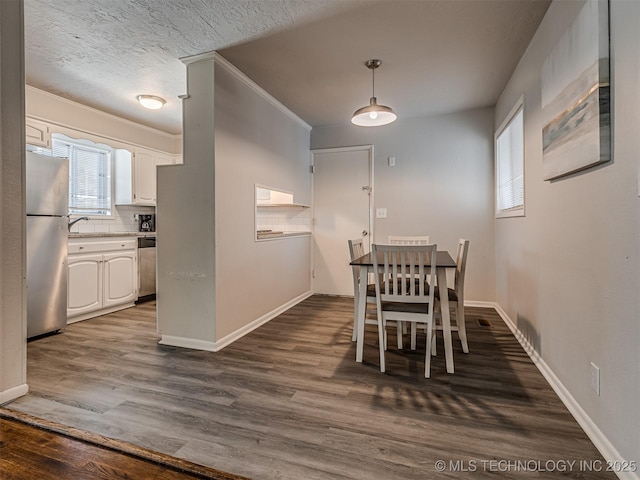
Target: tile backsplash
column 283, row 219
column 123, row 219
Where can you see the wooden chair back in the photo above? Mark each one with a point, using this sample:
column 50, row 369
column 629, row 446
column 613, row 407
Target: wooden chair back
column 409, row 240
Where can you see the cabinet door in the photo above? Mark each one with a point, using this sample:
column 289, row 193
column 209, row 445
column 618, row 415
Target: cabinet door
column 85, row 284
column 144, row 178
column 38, row 133
column 120, row 278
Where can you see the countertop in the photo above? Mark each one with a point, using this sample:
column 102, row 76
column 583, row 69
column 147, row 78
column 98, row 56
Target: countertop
column 271, row 235
column 112, row 234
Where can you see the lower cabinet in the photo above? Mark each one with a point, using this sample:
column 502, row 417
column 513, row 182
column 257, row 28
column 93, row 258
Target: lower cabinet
column 101, row 281
column 85, row 284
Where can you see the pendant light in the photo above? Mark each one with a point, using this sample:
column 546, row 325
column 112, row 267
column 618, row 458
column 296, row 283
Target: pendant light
column 373, row 115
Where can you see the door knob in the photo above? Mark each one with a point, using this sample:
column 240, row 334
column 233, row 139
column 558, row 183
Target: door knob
column 364, row 233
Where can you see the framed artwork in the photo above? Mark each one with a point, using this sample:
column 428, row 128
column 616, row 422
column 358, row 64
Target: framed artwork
column 576, row 95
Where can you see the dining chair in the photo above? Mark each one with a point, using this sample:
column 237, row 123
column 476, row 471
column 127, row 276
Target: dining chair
column 398, row 296
column 456, row 297
column 356, row 250
column 409, row 240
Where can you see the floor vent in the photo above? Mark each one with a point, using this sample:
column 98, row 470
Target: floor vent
column 483, row 322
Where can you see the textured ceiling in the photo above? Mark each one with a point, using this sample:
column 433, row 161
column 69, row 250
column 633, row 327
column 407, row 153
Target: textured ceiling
column 437, row 56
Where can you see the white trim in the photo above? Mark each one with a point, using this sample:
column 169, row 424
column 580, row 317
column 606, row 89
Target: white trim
column 599, row 439
column 236, row 72
column 232, row 337
column 95, row 111
column 518, row 211
column 13, row 393
column 191, row 343
column 98, row 313
column 241, row 332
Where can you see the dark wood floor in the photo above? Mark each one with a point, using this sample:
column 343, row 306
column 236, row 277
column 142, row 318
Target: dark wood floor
column 28, row 452
column 288, row 400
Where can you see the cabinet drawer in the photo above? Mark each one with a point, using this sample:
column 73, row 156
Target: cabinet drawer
column 102, row 246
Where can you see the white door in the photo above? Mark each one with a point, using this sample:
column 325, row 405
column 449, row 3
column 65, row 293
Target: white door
column 342, row 211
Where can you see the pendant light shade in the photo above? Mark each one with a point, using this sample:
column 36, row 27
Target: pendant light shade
column 373, row 115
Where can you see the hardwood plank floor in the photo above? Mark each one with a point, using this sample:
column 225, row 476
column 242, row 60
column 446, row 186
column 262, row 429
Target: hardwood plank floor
column 288, row 401
column 28, row 452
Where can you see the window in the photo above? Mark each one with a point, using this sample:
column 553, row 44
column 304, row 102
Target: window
column 89, row 173
column 509, row 148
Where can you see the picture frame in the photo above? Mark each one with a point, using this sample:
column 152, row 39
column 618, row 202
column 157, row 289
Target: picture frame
column 576, row 132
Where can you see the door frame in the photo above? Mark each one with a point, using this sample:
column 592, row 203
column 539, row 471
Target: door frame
column 369, row 148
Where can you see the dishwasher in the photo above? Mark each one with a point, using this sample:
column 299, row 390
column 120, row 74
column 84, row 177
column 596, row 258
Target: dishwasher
column 146, row 269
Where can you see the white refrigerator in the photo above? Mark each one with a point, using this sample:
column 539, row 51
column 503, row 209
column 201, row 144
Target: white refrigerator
column 47, row 180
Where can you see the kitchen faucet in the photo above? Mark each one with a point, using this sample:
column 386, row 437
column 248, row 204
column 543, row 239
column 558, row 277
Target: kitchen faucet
column 72, row 223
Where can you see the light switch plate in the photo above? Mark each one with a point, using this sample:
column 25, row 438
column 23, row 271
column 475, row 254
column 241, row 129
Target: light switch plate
column 381, row 213
column 392, row 161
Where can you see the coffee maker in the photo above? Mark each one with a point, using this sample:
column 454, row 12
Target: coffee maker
column 147, row 222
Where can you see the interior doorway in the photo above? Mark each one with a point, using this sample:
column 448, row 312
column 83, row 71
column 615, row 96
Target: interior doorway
column 343, row 203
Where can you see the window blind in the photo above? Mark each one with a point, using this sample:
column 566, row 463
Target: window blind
column 89, row 177
column 510, row 164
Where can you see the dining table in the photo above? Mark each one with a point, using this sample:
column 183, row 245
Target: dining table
column 444, row 261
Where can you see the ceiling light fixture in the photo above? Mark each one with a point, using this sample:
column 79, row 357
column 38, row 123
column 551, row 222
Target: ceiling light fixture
column 373, row 115
column 151, row 101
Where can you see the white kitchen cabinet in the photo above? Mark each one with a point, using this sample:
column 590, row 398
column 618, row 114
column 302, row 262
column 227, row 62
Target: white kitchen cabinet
column 136, row 175
column 37, row 133
column 120, row 278
column 103, row 276
column 144, row 162
column 85, row 284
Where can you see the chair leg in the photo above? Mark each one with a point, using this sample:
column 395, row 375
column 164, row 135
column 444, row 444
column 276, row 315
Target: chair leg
column 354, row 335
column 434, row 350
column 400, row 329
column 381, row 339
column 414, row 332
column 462, row 330
column 427, row 357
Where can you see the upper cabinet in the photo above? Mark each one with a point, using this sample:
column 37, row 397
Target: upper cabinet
column 38, row 133
column 136, row 175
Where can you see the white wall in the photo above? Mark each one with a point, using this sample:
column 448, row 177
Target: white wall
column 13, row 326
column 256, row 142
column 442, row 184
column 215, row 282
column 568, row 272
column 186, row 223
column 61, row 111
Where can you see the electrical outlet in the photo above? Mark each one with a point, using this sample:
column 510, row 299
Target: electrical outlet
column 381, row 213
column 392, row 161
column 595, row 378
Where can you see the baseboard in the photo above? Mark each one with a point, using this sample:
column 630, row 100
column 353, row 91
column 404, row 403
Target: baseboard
column 184, row 342
column 98, row 313
column 232, row 337
column 241, row 332
column 600, row 441
column 13, row 393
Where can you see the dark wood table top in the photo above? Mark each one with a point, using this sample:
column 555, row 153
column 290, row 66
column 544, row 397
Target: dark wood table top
column 443, row 259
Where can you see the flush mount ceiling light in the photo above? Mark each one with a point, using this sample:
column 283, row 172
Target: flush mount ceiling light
column 151, row 101
column 373, row 115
